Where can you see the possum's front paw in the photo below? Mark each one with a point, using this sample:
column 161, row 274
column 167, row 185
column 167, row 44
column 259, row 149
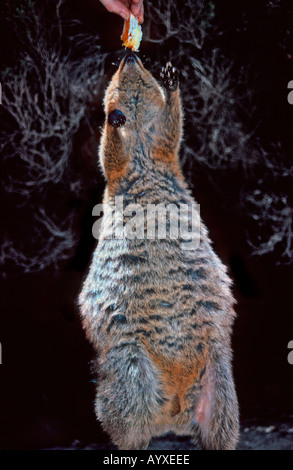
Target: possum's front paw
column 116, row 118
column 170, row 77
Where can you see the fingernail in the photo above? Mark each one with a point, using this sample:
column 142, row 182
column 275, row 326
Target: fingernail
column 125, row 15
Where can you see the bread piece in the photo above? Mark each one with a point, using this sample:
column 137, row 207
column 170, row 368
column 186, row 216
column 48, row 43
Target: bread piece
column 132, row 33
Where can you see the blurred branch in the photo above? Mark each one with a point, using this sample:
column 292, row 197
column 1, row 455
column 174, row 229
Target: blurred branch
column 221, row 138
column 46, row 97
column 274, row 216
column 50, row 244
column 189, row 21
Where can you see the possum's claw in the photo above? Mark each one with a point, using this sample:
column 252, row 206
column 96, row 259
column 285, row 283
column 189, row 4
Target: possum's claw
column 116, row 118
column 170, row 77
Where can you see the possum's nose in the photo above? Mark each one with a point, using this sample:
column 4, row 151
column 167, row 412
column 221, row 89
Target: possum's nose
column 130, row 59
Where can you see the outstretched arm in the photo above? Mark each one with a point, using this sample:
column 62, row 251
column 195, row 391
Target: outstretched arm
column 171, row 120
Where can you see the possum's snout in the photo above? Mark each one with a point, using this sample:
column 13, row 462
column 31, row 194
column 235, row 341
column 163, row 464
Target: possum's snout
column 131, row 62
column 129, row 59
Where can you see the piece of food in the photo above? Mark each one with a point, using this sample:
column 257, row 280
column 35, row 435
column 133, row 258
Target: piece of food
column 132, row 33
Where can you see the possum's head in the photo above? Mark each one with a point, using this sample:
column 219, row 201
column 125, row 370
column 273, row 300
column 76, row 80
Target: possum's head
column 135, row 92
column 142, row 130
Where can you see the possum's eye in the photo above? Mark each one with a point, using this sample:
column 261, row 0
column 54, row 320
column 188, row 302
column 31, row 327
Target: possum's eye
column 116, row 118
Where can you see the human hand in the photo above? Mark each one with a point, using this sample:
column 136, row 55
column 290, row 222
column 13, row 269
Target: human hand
column 124, row 7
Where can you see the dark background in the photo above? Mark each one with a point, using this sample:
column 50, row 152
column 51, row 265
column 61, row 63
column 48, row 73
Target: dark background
column 47, row 389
